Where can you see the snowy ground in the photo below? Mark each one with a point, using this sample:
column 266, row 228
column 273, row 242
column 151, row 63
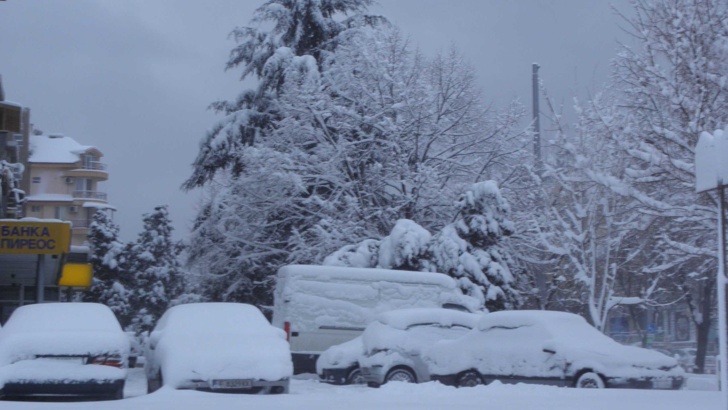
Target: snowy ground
column 307, row 393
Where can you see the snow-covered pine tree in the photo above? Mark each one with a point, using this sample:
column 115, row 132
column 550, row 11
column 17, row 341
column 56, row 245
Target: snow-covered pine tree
column 472, row 250
column 111, row 281
column 158, row 276
column 279, row 30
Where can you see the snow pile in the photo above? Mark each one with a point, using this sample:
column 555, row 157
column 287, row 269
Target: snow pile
column 208, row 341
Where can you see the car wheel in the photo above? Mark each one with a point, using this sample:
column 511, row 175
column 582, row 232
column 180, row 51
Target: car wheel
column 469, row 378
column 355, row 377
column 400, row 374
column 589, row 380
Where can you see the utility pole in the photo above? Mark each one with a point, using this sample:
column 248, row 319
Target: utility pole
column 536, row 122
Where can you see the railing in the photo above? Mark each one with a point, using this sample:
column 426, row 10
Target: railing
column 90, row 195
column 81, row 223
column 94, row 166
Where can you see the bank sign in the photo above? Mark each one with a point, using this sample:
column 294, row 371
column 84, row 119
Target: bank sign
column 35, row 237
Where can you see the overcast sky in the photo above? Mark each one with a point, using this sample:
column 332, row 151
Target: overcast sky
column 134, row 77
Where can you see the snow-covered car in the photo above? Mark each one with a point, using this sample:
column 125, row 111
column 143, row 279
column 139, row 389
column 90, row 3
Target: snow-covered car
column 547, row 347
column 63, row 349
column 218, row 347
column 388, row 349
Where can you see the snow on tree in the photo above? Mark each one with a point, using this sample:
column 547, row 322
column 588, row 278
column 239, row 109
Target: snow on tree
column 667, row 89
column 472, row 250
column 365, row 134
column 299, row 28
column 111, row 281
column 158, row 276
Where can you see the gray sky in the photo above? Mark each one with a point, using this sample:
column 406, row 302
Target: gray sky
column 134, row 77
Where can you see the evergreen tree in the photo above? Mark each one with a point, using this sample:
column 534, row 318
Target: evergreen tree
column 158, row 276
column 299, row 28
column 111, row 280
column 472, row 249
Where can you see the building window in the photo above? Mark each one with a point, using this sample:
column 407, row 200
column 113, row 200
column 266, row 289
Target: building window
column 59, row 213
column 35, row 208
column 36, row 180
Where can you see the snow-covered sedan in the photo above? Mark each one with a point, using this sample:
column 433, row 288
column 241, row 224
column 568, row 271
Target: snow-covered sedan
column 393, row 344
column 63, row 349
column 550, row 348
column 218, row 347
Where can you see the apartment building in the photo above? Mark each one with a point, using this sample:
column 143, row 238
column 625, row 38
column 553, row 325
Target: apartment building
column 14, row 133
column 64, row 182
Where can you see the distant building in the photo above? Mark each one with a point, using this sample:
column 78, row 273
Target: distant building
column 64, row 177
column 14, row 132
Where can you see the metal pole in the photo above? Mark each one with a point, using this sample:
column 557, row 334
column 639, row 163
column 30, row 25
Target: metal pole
column 536, row 120
column 40, row 279
column 720, row 284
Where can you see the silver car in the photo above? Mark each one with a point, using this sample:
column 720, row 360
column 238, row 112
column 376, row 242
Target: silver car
column 393, row 343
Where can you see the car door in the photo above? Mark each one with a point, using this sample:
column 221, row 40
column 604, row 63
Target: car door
column 514, row 354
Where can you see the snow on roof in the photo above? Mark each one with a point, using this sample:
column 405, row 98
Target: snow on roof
column 516, row 318
column 57, row 149
column 327, row 273
column 404, row 318
column 98, row 205
column 50, row 198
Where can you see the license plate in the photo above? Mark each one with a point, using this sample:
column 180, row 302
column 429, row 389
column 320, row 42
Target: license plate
column 662, row 384
column 232, row 384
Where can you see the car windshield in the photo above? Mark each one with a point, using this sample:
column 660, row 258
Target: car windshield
column 215, row 318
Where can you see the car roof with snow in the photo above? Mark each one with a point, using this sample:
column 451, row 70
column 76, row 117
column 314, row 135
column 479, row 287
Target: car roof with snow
column 404, row 318
column 517, row 318
column 215, row 317
column 324, row 273
column 62, row 316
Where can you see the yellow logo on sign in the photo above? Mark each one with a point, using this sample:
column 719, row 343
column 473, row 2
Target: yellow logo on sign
column 35, row 238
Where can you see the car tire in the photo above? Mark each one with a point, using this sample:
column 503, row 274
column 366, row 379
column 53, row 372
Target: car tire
column 355, row 377
column 401, row 374
column 589, row 380
column 469, row 378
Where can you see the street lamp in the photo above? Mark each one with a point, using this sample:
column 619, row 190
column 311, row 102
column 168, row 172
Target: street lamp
column 711, row 173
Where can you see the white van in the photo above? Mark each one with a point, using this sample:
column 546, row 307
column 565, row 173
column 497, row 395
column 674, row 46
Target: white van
column 320, row 306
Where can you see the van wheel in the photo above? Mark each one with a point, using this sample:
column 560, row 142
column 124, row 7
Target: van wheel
column 400, row 374
column 355, row 377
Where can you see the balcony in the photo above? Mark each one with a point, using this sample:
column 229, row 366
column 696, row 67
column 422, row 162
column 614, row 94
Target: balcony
column 101, row 196
column 80, row 223
column 94, row 166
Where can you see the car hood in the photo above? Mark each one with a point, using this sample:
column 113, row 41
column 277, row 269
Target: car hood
column 612, row 355
column 340, row 356
column 27, row 345
column 223, row 356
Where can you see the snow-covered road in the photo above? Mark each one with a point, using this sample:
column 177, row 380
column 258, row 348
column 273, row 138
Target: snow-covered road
column 309, row 394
